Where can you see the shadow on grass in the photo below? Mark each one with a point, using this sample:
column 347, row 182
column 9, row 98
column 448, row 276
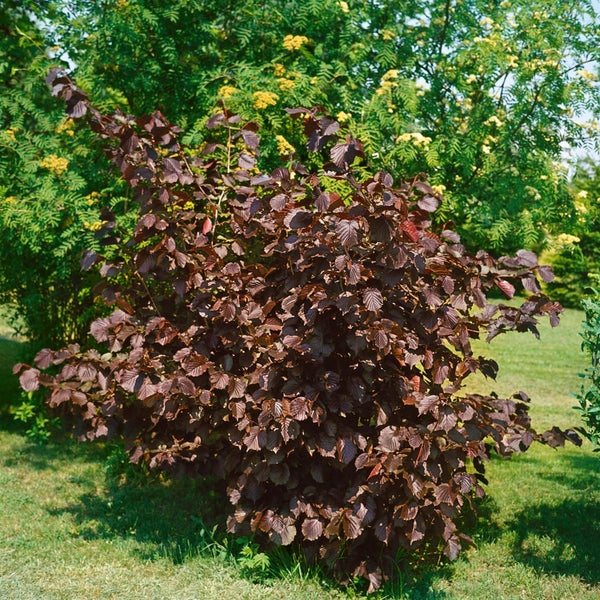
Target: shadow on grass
column 11, row 351
column 175, row 518
column 562, row 538
column 559, row 536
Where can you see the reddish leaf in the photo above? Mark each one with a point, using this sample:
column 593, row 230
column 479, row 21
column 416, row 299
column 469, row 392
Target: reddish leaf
column 236, row 387
column 354, row 274
column 219, row 380
column 130, row 380
column 372, row 299
column 254, row 439
column 44, row 358
column 322, row 202
column 351, row 525
column 506, row 288
column 411, row 230
column 312, row 529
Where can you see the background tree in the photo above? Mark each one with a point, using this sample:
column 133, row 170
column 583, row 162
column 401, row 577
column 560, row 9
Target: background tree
column 478, row 94
column 575, row 256
column 52, row 186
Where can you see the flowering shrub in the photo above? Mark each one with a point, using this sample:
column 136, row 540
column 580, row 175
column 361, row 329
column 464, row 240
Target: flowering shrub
column 306, row 345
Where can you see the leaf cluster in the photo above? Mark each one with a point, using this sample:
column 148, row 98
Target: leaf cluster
column 307, row 348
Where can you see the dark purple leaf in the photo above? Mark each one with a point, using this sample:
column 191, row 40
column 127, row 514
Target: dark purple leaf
column 527, row 258
column 546, row 273
column 530, row 284
column 322, row 201
column 453, row 548
column 298, row 219
column 372, row 299
column 347, row 232
column 90, row 258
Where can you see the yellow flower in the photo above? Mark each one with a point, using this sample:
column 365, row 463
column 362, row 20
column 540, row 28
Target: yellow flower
column 283, row 146
column 92, row 197
column 55, row 164
column 278, row 70
column 189, row 205
column 485, row 149
column 66, row 127
column 342, row 117
column 10, row 132
column 386, row 82
column 226, row 91
column 415, row 137
column 439, row 189
column 566, row 239
column 385, row 87
column 582, row 194
column 494, row 120
column 486, row 21
column 587, row 75
column 387, row 35
column 264, row 99
column 471, row 78
column 10, row 199
column 285, row 84
column 344, row 6
column 294, row 42
column 93, row 226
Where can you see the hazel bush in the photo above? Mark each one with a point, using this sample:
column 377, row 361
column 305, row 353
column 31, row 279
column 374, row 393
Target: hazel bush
column 302, row 334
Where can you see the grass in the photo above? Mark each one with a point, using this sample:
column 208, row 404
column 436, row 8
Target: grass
column 70, row 528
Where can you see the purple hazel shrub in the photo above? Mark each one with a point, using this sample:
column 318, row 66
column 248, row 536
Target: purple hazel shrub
column 302, row 334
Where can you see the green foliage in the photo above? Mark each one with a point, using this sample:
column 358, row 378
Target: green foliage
column 479, row 95
column 33, row 413
column 589, row 396
column 49, row 172
column 575, row 256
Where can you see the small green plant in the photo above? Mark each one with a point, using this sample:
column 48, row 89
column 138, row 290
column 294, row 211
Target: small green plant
column 33, row 412
column 589, row 396
column 252, row 561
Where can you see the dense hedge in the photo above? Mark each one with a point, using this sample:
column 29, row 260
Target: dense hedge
column 304, row 335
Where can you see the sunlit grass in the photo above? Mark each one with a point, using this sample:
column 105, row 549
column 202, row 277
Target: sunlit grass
column 70, row 530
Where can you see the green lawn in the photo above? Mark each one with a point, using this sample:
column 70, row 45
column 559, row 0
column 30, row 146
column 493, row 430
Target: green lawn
column 70, row 530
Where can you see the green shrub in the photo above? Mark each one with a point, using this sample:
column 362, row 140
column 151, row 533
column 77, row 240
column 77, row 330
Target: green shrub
column 589, row 396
